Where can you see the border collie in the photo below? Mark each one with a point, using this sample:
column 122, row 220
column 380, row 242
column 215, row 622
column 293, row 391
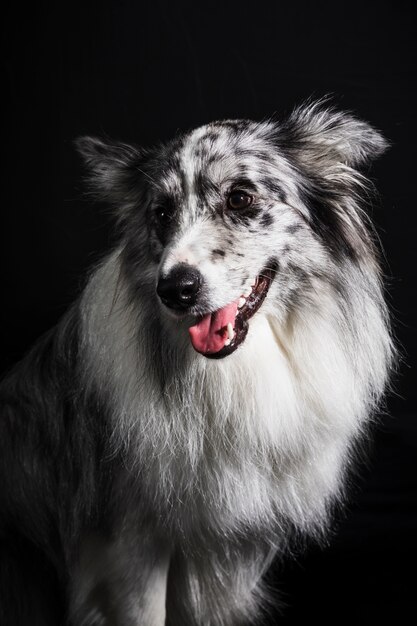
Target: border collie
column 198, row 405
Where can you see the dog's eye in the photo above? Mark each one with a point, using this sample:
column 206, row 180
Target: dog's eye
column 239, row 200
column 164, row 213
column 163, row 216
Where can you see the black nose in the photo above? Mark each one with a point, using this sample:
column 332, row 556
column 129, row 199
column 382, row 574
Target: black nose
column 179, row 290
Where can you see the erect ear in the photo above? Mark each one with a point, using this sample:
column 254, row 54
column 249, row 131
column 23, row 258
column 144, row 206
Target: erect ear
column 320, row 138
column 114, row 169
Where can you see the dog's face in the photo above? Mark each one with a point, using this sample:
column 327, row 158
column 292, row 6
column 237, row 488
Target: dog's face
column 239, row 216
column 220, row 228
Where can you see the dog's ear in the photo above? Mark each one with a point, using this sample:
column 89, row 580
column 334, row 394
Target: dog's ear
column 320, row 138
column 328, row 147
column 114, row 172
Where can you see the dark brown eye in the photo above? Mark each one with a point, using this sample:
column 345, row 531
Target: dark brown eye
column 164, row 213
column 163, row 216
column 239, row 200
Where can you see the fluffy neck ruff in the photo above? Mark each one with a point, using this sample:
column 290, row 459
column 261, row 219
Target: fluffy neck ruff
column 261, row 436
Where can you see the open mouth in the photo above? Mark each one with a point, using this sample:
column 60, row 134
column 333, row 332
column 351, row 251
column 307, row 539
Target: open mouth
column 220, row 333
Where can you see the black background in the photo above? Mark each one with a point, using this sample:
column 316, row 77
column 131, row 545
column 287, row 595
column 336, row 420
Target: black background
column 141, row 72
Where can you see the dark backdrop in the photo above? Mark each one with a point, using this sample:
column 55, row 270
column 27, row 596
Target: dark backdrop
column 141, row 71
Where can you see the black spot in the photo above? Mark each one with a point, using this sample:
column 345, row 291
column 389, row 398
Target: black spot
column 266, row 220
column 301, row 274
column 212, row 158
column 204, row 187
column 217, row 253
column 200, row 183
column 274, row 188
column 243, row 170
column 245, row 216
column 292, row 228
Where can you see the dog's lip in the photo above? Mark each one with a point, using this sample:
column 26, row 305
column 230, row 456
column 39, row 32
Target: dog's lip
column 253, row 303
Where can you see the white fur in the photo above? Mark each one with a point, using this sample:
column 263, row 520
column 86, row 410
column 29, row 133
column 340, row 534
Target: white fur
column 260, row 439
column 260, row 434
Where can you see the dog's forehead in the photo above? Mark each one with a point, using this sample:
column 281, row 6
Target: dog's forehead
column 219, row 151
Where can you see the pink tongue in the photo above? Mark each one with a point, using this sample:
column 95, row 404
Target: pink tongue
column 210, row 333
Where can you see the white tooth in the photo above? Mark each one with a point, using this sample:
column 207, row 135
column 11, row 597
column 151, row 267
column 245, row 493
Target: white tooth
column 230, row 331
column 241, row 302
column 247, row 294
column 227, row 342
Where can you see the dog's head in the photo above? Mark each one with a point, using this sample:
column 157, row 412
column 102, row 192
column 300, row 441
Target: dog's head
column 239, row 216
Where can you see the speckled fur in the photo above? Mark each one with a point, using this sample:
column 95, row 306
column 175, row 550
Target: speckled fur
column 174, row 480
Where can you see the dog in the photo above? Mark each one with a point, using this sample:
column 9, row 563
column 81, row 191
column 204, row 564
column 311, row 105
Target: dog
column 198, row 407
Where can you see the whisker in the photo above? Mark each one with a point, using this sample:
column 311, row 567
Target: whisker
column 147, row 175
